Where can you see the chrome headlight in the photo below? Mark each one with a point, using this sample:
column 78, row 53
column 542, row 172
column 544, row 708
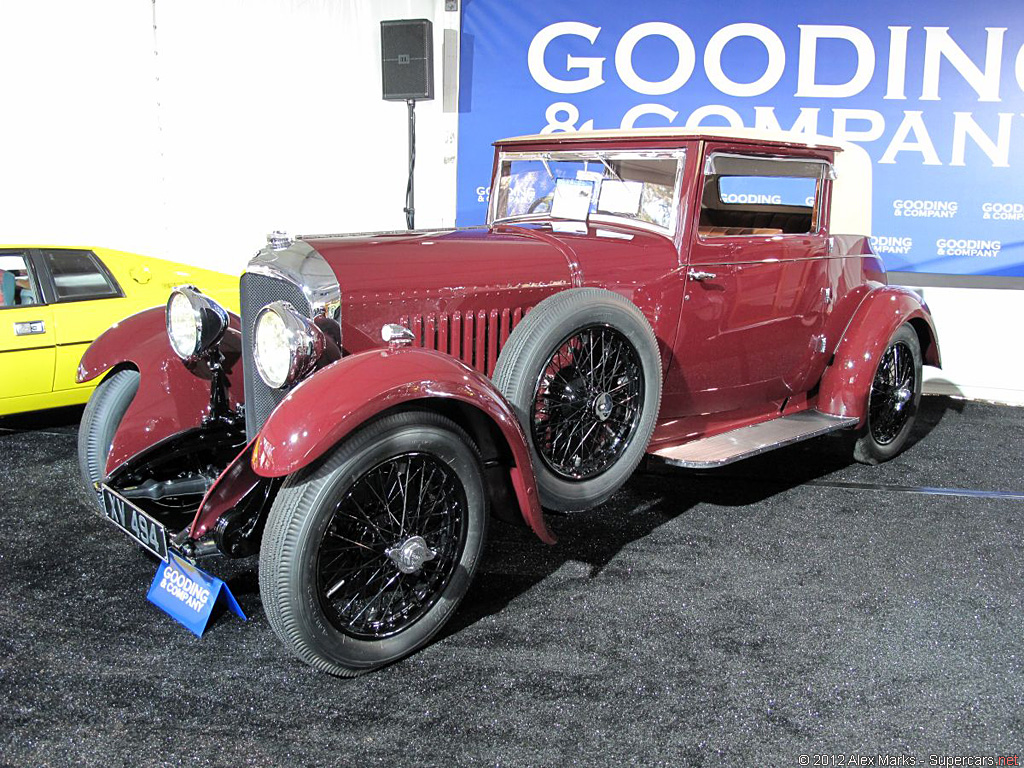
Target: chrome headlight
column 195, row 322
column 286, row 345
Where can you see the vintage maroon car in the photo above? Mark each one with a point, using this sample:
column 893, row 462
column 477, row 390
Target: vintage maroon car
column 699, row 298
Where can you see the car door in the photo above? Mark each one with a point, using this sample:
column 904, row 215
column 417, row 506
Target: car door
column 750, row 330
column 86, row 300
column 27, row 334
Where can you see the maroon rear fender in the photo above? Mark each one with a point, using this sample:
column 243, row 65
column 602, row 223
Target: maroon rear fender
column 340, row 398
column 172, row 396
column 846, row 384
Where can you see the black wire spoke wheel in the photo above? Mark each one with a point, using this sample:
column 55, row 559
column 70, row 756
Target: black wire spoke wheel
column 582, row 371
column 392, row 544
column 892, row 400
column 588, row 402
column 892, row 393
column 368, row 553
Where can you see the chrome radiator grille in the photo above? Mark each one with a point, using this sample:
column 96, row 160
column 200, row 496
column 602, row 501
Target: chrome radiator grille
column 476, row 338
column 256, row 292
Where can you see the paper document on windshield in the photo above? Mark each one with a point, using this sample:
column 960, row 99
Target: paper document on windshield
column 620, row 197
column 572, row 199
column 595, row 177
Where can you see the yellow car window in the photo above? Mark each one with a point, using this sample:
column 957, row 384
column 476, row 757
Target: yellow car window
column 79, row 275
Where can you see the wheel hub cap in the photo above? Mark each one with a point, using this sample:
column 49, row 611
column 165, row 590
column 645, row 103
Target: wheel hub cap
column 902, row 396
column 892, row 393
column 588, row 402
column 410, row 555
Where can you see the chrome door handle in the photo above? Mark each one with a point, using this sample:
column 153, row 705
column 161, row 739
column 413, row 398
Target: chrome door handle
column 29, row 328
column 694, row 274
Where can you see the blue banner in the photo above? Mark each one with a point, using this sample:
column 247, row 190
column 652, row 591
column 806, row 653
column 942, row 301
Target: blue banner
column 933, row 91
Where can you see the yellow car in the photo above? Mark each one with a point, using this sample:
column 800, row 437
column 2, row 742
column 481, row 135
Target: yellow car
column 55, row 301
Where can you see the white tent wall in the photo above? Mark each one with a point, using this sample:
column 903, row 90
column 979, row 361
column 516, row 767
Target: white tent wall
column 190, row 128
column 79, row 147
column 272, row 118
column 979, row 331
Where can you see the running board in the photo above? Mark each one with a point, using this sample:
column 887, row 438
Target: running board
column 749, row 441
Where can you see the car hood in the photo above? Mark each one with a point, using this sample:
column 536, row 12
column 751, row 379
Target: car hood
column 425, row 279
column 444, row 262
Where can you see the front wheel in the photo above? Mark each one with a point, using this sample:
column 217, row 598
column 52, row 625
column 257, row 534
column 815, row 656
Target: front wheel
column 102, row 416
column 365, row 557
column 893, row 400
column 583, row 373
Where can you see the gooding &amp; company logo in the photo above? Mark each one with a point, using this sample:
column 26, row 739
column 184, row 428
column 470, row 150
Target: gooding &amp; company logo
column 751, row 198
column 887, row 244
column 980, row 249
column 925, row 209
column 1003, row 211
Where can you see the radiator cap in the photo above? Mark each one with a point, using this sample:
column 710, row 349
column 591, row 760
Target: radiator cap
column 279, row 240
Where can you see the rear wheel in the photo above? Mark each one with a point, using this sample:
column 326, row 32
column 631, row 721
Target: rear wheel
column 102, row 416
column 893, row 400
column 365, row 557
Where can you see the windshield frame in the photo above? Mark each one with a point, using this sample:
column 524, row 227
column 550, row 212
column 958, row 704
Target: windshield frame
column 599, row 156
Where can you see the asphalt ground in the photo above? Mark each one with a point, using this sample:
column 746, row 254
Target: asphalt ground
column 795, row 604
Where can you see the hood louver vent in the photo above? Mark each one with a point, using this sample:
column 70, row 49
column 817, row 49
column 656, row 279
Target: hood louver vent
column 476, row 338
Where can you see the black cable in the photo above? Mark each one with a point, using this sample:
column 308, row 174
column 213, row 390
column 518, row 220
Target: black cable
column 410, row 212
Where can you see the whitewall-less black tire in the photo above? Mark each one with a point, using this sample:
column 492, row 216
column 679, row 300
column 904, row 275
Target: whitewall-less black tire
column 893, row 400
column 100, row 420
column 583, row 372
column 366, row 555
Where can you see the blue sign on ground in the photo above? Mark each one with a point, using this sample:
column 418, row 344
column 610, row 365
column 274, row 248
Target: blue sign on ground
column 189, row 595
column 933, row 91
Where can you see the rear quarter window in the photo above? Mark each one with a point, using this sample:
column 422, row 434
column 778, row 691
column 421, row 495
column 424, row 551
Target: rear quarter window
column 757, row 195
column 79, row 275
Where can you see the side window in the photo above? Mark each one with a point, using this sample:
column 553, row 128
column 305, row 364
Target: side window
column 17, row 283
column 79, row 275
column 761, row 195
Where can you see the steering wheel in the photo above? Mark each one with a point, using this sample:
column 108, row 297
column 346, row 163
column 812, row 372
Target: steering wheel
column 542, row 204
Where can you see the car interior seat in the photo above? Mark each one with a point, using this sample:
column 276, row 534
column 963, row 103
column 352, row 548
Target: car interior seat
column 8, row 285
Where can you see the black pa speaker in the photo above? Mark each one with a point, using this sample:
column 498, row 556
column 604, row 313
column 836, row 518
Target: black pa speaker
column 407, row 59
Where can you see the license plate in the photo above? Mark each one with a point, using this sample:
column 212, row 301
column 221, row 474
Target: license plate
column 136, row 523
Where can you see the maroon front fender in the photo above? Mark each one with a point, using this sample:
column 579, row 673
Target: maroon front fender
column 329, row 405
column 237, row 480
column 846, row 385
column 172, row 396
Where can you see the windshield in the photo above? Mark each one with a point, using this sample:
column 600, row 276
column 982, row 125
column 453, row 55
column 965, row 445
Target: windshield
column 639, row 187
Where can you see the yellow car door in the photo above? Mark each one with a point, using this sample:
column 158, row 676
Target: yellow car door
column 27, row 334
column 86, row 301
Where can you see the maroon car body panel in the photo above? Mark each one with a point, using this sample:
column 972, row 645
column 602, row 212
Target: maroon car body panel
column 846, row 385
column 172, row 397
column 442, row 275
column 237, row 480
column 325, row 408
